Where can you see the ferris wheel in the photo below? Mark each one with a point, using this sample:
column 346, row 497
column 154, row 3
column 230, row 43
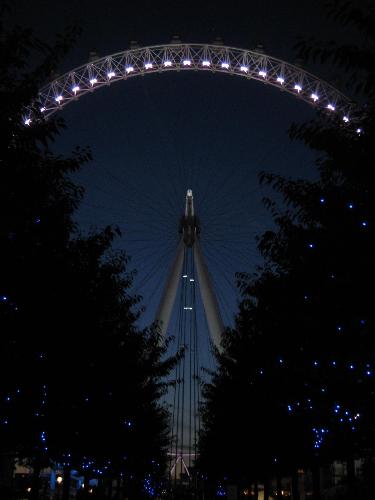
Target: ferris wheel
column 181, row 260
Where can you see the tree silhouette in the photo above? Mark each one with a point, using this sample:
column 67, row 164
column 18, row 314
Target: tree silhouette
column 80, row 383
column 302, row 353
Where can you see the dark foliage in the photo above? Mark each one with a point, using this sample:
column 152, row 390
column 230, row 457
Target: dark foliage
column 295, row 384
column 80, row 383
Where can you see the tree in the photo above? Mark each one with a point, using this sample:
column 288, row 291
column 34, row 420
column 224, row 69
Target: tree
column 37, row 203
column 80, row 383
column 306, row 318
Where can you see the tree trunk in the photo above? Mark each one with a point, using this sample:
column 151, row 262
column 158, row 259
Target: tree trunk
column 66, row 484
column 86, row 485
column 256, row 491
column 350, row 477
column 118, row 489
column 316, row 481
column 278, row 486
column 7, row 466
column 110, row 488
column 100, row 488
column 266, row 488
column 35, row 481
column 295, row 489
column 369, row 477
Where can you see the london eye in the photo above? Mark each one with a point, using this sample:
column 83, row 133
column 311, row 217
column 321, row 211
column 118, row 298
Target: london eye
column 183, row 218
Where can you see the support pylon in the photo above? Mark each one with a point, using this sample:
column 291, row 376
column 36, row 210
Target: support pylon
column 190, row 239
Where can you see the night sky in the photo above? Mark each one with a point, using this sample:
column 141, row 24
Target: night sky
column 153, row 138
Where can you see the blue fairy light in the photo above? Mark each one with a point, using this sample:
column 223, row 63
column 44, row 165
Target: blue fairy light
column 147, row 485
column 319, row 434
column 364, row 223
column 221, row 491
column 311, row 245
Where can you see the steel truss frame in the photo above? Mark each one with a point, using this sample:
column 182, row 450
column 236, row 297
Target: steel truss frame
column 192, row 57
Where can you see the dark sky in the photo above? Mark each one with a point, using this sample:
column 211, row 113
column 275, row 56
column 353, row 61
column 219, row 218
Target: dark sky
column 108, row 26
column 153, row 138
